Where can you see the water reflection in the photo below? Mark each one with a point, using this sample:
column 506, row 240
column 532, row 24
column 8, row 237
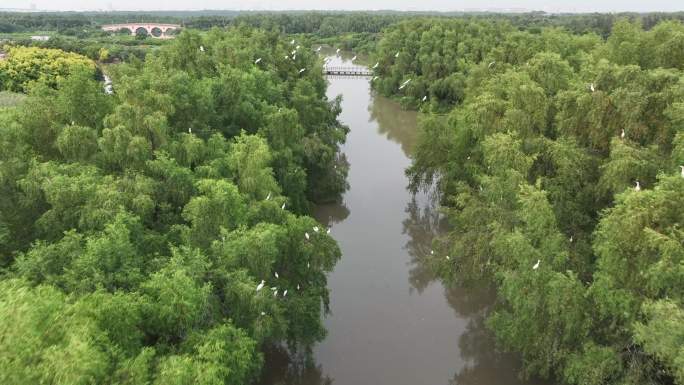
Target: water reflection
column 287, row 369
column 396, row 124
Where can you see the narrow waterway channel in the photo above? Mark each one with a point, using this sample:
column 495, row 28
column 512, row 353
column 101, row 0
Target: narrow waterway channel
column 392, row 321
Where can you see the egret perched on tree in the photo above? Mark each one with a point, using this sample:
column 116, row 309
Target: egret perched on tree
column 592, row 88
column 306, row 235
column 302, row 70
column 268, row 196
column 536, row 265
column 257, row 61
column 622, row 134
column 315, row 229
column 396, row 55
column 189, row 130
column 682, row 167
column 319, row 48
column 637, row 187
column 297, row 286
column 285, row 293
column 283, row 206
column 294, row 57
column 202, row 48
column 262, row 313
column 328, row 231
column 275, row 274
column 374, row 78
column 491, row 64
column 261, row 285
column 292, row 42
column 404, row 84
column 298, row 47
column 447, row 257
column 425, row 98
column 337, row 52
column 376, row 65
column 293, row 52
column 432, row 252
column 354, row 58
column 308, row 265
column 275, row 293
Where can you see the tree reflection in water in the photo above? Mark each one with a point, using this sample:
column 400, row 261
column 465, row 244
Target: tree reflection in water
column 424, row 226
column 287, row 368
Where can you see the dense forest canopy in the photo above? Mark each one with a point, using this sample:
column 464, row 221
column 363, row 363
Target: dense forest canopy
column 560, row 162
column 158, row 234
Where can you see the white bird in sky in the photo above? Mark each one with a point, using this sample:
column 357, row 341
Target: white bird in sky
column 396, row 55
column 637, row 187
column 591, row 87
column 622, row 134
column 491, row 64
column 536, row 265
column 202, row 48
column 261, row 285
column 376, row 65
column 257, row 61
column 275, row 274
column 306, row 235
column 315, row 229
column 354, row 58
column 682, row 167
column 302, row 70
column 268, row 196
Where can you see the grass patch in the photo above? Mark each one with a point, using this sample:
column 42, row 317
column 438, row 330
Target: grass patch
column 10, row 99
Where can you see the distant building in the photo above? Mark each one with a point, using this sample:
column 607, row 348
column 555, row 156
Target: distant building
column 40, row 38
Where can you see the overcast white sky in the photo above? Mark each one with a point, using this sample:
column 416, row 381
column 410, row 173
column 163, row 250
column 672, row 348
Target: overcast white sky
column 420, row 5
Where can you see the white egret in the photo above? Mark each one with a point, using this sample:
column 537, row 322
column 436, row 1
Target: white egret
column 306, row 235
column 536, row 265
column 622, row 134
column 257, row 61
column 337, row 52
column 374, row 78
column 637, row 187
column 319, row 48
column 328, row 231
column 302, row 70
column 432, row 252
column 262, row 313
column 189, row 130
column 293, row 52
column 425, row 98
column 491, row 64
column 268, row 196
column 292, row 42
column 202, row 48
column 261, row 285
column 283, row 206
column 447, row 257
column 571, row 239
column 294, row 57
column 276, row 275
column 297, row 286
column 682, row 167
column 298, row 47
column 308, row 265
column 592, row 88
column 354, row 58
column 285, row 293
column 275, row 293
column 315, row 229
column 287, row 56
column 396, row 55
column 376, row 65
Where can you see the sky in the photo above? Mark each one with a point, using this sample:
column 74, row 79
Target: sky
column 402, row 5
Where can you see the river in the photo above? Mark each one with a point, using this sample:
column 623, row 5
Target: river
column 392, row 321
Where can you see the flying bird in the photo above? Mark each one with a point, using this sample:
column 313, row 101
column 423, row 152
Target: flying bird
column 257, row 61
column 637, row 187
column 536, row 265
column 260, row 286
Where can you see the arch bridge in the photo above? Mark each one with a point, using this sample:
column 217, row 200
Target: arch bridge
column 156, row 30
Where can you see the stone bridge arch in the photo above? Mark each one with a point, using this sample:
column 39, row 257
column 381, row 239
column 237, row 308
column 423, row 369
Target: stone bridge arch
column 156, row 30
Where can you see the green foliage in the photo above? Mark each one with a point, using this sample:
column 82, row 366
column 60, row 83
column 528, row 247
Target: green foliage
column 25, row 65
column 135, row 227
column 537, row 166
